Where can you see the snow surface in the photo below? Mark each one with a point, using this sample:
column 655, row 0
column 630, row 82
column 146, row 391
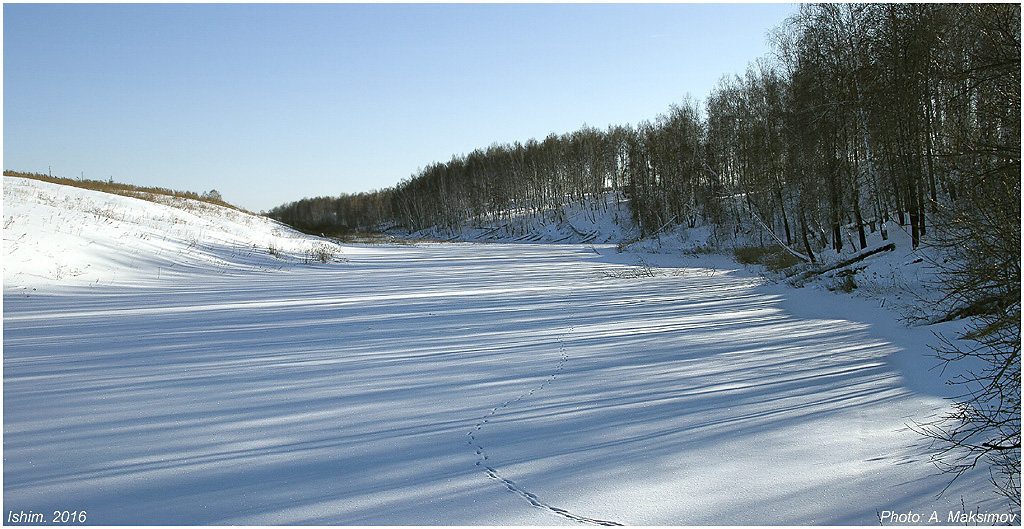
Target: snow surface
column 172, row 382
column 55, row 234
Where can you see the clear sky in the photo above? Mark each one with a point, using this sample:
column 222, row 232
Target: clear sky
column 272, row 103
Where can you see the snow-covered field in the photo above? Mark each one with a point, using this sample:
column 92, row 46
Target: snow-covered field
column 178, row 373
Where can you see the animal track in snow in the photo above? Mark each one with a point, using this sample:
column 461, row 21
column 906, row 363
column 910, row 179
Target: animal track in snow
column 512, row 486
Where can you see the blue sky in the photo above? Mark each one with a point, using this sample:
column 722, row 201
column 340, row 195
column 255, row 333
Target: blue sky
column 272, row 103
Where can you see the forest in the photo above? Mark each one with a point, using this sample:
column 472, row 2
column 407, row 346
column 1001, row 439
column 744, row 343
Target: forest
column 863, row 114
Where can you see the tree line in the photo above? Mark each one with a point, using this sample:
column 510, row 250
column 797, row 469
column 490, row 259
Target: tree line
column 864, row 114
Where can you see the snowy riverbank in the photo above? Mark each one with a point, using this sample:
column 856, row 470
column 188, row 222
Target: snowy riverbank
column 447, row 384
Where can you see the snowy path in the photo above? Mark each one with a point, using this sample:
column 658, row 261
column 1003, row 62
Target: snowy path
column 343, row 394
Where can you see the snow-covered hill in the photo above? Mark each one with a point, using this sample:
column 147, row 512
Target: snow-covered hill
column 601, row 219
column 448, row 384
column 61, row 235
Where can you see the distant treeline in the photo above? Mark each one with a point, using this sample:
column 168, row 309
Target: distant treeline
column 117, row 188
column 864, row 113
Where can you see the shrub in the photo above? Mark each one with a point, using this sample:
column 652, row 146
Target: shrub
column 322, row 253
column 775, row 258
column 778, row 259
column 843, row 283
column 749, row 254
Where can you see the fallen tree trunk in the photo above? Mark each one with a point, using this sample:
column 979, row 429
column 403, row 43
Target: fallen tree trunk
column 856, row 258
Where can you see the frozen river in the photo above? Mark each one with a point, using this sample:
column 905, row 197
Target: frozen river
column 467, row 384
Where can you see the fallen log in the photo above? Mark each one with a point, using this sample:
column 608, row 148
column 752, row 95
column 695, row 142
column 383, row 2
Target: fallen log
column 842, row 264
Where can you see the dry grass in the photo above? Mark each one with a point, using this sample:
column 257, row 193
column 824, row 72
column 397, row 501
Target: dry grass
column 775, row 258
column 116, row 188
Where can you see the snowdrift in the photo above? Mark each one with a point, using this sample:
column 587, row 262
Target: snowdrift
column 61, row 235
